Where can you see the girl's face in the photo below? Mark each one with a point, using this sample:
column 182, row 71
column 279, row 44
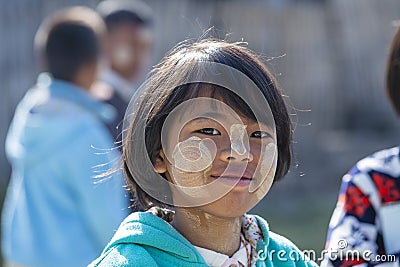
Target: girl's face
column 210, row 143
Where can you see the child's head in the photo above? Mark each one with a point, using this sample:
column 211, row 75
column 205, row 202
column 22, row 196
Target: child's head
column 196, row 130
column 393, row 72
column 129, row 38
column 69, row 42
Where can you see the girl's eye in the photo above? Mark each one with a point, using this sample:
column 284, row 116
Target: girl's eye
column 260, row 134
column 209, row 131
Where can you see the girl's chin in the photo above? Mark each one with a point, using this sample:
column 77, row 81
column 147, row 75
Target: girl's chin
column 224, row 211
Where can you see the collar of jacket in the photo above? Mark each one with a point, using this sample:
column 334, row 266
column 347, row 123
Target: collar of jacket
column 143, row 228
column 73, row 93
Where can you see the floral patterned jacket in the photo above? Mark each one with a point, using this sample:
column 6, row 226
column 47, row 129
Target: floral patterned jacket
column 365, row 227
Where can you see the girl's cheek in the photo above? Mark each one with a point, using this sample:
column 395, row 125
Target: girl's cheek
column 193, row 154
column 265, row 171
column 189, row 181
column 192, row 160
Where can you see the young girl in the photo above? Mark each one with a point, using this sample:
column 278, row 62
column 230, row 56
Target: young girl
column 205, row 137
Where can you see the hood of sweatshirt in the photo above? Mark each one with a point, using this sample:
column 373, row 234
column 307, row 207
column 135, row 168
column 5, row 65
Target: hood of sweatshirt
column 146, row 229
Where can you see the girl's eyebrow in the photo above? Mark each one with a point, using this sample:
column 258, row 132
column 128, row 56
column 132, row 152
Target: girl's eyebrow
column 211, row 115
column 206, row 116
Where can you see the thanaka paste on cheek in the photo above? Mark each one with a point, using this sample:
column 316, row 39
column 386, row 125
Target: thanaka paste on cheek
column 192, row 161
column 264, row 175
column 192, row 155
column 237, row 135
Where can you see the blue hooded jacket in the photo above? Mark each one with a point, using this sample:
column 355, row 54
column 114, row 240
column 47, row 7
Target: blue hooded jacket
column 144, row 239
column 55, row 214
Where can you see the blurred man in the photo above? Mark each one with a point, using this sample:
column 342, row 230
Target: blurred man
column 56, row 213
column 128, row 47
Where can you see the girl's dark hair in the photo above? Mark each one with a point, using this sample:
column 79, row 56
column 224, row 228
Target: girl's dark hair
column 393, row 72
column 159, row 99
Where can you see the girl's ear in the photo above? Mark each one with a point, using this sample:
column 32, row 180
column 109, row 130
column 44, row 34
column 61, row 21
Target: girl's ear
column 160, row 164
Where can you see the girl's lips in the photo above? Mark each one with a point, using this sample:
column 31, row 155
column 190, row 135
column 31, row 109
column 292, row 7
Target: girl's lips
column 231, row 180
column 233, row 176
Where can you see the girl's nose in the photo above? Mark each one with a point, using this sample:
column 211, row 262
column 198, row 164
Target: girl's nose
column 230, row 155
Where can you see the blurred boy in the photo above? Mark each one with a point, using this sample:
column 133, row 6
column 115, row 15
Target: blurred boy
column 128, row 47
column 55, row 212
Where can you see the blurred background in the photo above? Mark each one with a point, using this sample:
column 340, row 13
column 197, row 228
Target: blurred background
column 329, row 57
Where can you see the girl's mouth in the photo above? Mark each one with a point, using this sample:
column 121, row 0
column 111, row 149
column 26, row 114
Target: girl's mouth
column 233, row 180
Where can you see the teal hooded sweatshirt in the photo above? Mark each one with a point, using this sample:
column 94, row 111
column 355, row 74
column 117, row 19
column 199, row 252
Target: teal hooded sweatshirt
column 146, row 240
